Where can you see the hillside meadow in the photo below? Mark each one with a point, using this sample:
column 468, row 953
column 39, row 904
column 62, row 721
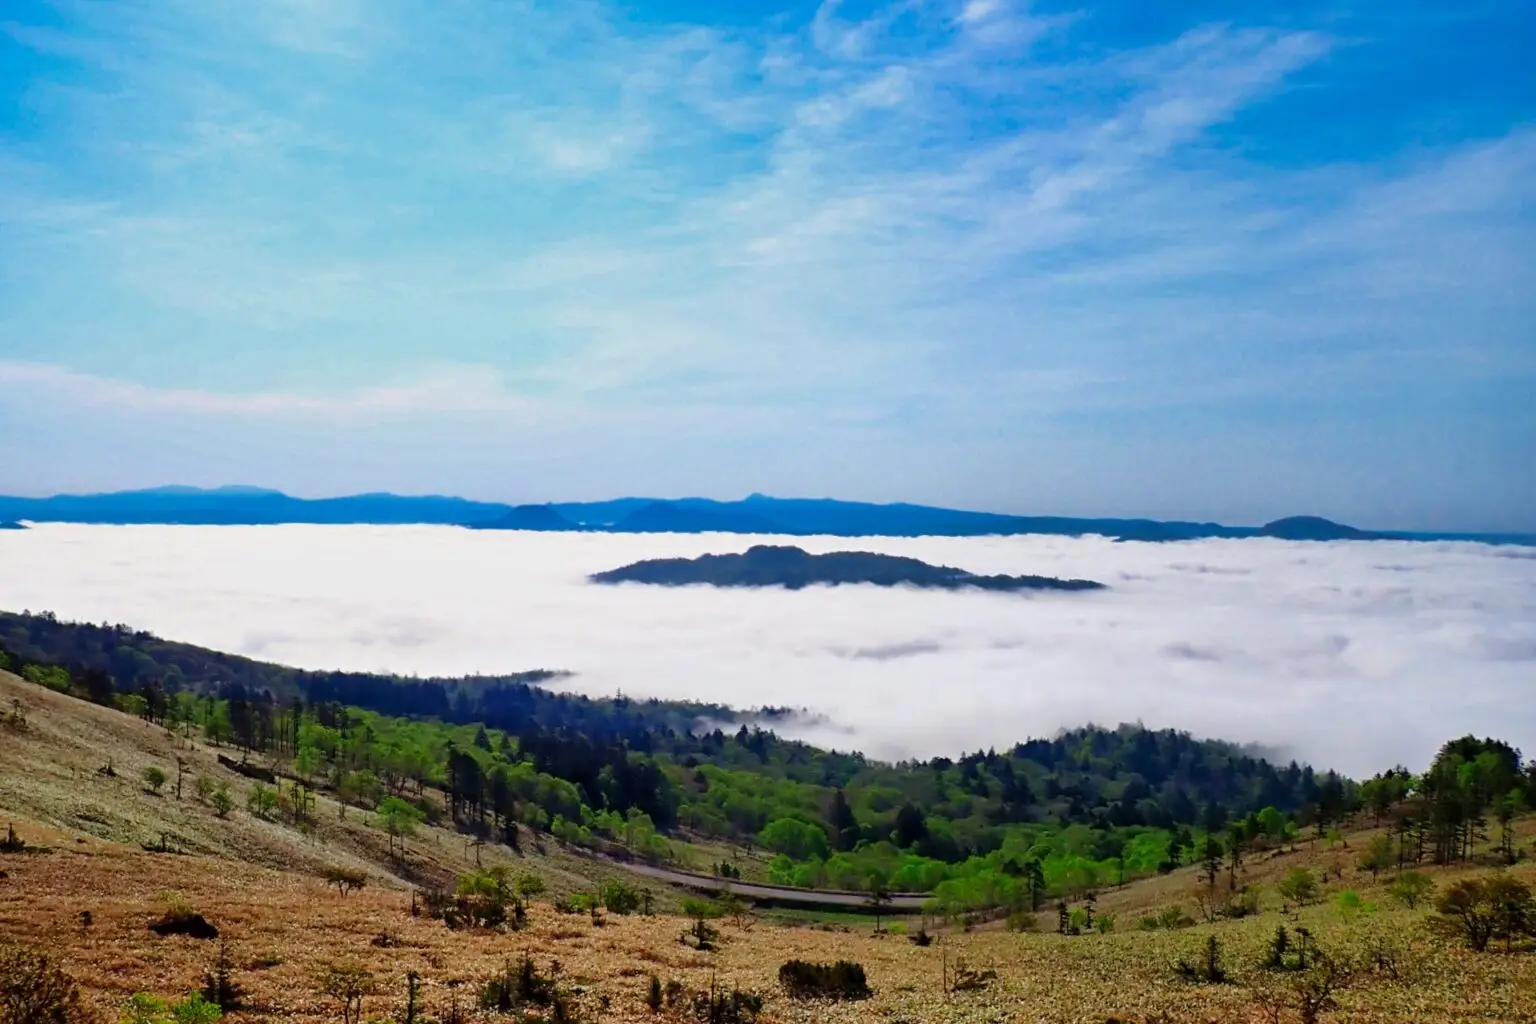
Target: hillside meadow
column 263, row 886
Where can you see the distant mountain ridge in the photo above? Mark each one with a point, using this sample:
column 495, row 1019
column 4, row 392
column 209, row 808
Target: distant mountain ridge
column 757, row 514
column 768, row 565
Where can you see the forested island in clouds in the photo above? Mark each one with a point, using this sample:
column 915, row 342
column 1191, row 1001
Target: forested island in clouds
column 767, row 565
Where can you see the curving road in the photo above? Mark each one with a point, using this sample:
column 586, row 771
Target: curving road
column 776, row 894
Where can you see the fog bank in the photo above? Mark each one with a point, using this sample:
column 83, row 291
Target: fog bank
column 1350, row 655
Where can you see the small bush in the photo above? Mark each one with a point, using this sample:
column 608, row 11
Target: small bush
column 517, row 989
column 181, row 919
column 222, row 802
column 841, row 980
column 1411, row 888
column 219, row 985
column 345, row 879
column 733, row 1007
column 969, row 980
column 1287, row 954
column 1206, row 969
column 1482, row 909
column 921, row 938
column 154, row 777
column 1349, row 905
column 34, row 991
column 1168, row 919
column 483, row 899
column 1245, row 903
column 349, row 984
column 1309, row 990
column 1299, row 887
column 12, row 843
column 1023, row 921
column 147, row 1009
column 619, row 898
column 702, row 934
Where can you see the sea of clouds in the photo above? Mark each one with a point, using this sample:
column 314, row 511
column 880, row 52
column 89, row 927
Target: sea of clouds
column 1350, row 655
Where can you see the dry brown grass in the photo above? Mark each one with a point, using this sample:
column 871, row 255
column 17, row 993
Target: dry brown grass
column 49, row 778
column 257, row 882
column 299, row 924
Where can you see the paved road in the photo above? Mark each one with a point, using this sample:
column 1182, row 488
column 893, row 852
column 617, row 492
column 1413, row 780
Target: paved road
column 782, row 895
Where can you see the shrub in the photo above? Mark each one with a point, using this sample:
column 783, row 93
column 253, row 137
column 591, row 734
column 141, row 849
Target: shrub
column 653, row 995
column 1022, row 921
column 619, row 898
column 345, row 879
column 261, row 801
column 1299, row 887
column 1206, row 968
column 1168, row 919
column 1285, row 954
column 12, row 843
column 1481, row 909
column 841, row 980
column 921, row 938
column 34, row 991
column 147, row 1009
column 1308, row 990
column 204, row 786
column 1410, row 888
column 349, row 984
column 482, row 899
column 222, row 802
column 515, row 989
column 970, row 980
column 702, row 911
column 530, row 885
column 1104, row 923
column 154, row 778
column 721, row 1007
column 1350, row 906
column 1244, row 903
column 181, row 919
column 219, row 985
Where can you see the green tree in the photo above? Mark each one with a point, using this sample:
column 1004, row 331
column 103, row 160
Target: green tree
column 1482, row 909
column 1299, row 887
column 1410, row 888
column 154, row 778
column 261, row 800
column 799, row 840
column 1210, row 861
column 845, row 827
column 1509, row 807
column 1378, row 856
column 349, row 984
column 399, row 819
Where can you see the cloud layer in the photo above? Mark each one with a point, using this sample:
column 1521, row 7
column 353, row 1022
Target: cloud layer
column 1355, row 656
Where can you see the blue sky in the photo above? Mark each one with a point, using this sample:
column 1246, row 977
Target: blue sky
column 1208, row 260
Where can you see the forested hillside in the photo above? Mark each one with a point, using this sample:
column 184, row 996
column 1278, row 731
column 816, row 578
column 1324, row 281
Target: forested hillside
column 120, row 657
column 1089, row 807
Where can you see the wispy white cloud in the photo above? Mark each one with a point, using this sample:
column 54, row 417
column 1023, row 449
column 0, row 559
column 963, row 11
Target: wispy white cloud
column 940, row 220
column 473, row 390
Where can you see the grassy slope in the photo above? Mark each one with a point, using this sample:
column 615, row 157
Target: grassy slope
column 256, row 881
column 49, row 779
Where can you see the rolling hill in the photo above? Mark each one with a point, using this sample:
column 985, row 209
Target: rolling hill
column 757, row 514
